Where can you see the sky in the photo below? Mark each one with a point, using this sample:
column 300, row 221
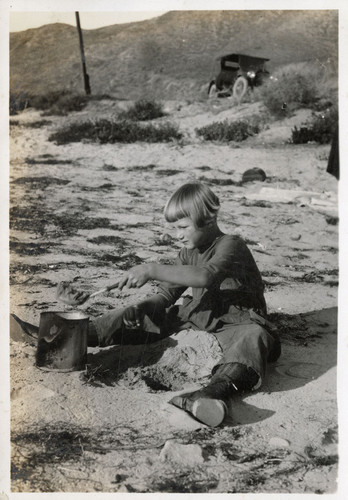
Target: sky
column 25, row 14
column 19, row 21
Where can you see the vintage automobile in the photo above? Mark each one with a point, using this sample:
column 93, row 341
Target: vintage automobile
column 238, row 72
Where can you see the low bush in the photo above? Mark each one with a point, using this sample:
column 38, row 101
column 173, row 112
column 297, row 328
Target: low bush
column 143, row 110
column 295, row 86
column 59, row 102
column 38, row 124
column 227, row 131
column 106, row 131
column 320, row 128
column 18, row 102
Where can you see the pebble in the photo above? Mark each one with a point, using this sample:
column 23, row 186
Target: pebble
column 185, row 454
column 278, row 442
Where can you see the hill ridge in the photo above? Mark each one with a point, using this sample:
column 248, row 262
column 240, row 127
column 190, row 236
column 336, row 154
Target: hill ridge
column 170, row 56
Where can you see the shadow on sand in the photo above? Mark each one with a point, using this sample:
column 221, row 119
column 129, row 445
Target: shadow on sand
column 309, row 349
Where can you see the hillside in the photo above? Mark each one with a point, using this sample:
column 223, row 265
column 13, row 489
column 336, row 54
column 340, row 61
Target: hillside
column 171, row 56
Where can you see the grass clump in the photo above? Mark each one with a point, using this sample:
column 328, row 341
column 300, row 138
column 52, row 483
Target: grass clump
column 59, row 102
column 227, row 131
column 298, row 85
column 109, row 131
column 18, row 102
column 143, row 110
column 320, row 129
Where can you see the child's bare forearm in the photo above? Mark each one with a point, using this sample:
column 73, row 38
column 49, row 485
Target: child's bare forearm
column 190, row 276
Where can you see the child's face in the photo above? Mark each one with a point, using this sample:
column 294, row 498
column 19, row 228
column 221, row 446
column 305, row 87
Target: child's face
column 189, row 235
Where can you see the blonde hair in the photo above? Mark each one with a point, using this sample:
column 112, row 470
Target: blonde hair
column 194, row 200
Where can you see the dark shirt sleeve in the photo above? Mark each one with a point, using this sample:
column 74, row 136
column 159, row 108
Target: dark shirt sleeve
column 232, row 259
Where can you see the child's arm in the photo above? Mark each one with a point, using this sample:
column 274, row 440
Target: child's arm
column 184, row 275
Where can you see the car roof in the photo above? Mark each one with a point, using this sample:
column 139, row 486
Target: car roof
column 235, row 57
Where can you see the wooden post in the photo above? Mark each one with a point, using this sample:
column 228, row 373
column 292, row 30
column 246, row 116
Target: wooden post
column 85, row 74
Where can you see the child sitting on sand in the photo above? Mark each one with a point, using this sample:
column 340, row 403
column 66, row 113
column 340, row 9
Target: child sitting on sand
column 227, row 301
column 234, row 313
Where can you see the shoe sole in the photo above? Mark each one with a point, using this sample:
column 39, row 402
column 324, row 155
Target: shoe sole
column 209, row 411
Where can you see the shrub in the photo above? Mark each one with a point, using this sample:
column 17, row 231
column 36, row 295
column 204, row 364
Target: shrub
column 106, row 131
column 18, row 102
column 226, row 131
column 297, row 85
column 320, row 129
column 38, row 124
column 143, row 110
column 59, row 102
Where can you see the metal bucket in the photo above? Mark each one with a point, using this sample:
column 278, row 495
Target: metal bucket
column 62, row 342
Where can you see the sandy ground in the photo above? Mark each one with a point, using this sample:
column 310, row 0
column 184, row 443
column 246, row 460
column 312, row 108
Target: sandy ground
column 85, row 213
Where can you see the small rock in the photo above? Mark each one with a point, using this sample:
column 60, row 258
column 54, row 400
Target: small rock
column 278, row 442
column 185, row 454
column 333, row 221
column 254, row 174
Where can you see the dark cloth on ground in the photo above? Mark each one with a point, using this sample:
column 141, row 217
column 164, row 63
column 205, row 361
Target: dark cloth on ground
column 333, row 166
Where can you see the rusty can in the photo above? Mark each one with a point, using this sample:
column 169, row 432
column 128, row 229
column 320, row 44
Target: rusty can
column 62, row 342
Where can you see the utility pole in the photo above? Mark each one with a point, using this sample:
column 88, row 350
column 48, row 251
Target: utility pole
column 85, row 74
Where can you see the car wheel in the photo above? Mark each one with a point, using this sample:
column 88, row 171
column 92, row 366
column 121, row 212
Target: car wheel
column 240, row 87
column 212, row 92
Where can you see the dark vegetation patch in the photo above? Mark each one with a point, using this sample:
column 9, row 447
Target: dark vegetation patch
column 42, row 447
column 110, row 168
column 38, row 124
column 288, row 221
column 220, row 182
column 186, row 482
column 41, row 182
column 47, row 161
column 260, row 250
column 134, row 193
column 104, row 187
column 108, row 240
column 298, row 85
column 227, row 131
column 320, row 128
column 109, row 131
column 318, row 277
column 142, row 168
column 256, row 203
column 168, row 172
column 143, row 110
column 275, row 179
column 29, row 218
column 333, row 250
column 59, row 102
column 37, row 218
column 18, row 102
column 29, row 248
column 294, row 329
column 123, row 262
column 19, row 271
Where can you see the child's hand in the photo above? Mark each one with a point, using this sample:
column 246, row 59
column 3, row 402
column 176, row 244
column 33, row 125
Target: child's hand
column 133, row 317
column 135, row 277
